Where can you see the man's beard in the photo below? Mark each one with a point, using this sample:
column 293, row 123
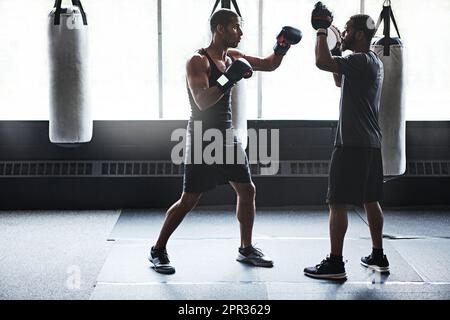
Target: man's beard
column 348, row 44
column 231, row 44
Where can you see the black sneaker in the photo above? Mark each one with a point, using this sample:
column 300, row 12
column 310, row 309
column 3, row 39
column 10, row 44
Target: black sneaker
column 379, row 264
column 254, row 256
column 327, row 269
column 160, row 261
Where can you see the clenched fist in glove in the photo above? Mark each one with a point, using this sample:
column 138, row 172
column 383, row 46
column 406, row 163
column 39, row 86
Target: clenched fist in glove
column 321, row 17
column 238, row 70
column 287, row 37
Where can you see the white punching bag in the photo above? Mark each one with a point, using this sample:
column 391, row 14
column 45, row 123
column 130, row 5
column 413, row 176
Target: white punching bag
column 239, row 113
column 70, row 115
column 392, row 118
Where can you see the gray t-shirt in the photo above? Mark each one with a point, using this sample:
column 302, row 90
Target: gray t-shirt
column 362, row 81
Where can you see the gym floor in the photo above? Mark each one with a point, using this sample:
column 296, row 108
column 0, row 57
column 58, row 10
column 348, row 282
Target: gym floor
column 103, row 255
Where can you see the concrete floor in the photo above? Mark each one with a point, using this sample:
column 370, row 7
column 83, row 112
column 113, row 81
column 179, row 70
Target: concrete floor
column 103, row 255
column 53, row 255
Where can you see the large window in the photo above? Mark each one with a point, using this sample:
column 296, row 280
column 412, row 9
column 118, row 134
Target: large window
column 23, row 57
column 422, row 27
column 185, row 28
column 138, row 57
column 123, row 59
column 298, row 90
column 124, row 69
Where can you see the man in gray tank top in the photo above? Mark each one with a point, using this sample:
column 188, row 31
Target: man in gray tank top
column 356, row 170
column 211, row 75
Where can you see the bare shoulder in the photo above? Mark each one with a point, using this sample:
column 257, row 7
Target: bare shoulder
column 197, row 62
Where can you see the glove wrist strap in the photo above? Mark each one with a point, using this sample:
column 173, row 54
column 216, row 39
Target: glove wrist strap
column 322, row 31
column 224, row 84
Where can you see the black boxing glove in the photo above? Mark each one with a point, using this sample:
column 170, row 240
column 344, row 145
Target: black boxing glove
column 321, row 17
column 239, row 69
column 287, row 37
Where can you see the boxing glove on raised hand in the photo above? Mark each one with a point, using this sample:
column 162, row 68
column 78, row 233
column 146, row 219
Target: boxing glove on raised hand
column 239, row 69
column 321, row 17
column 287, row 37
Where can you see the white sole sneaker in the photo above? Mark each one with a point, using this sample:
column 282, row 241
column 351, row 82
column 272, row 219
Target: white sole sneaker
column 162, row 268
column 337, row 276
column 375, row 267
column 243, row 259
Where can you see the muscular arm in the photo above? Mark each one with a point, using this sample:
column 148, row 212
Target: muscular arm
column 269, row 63
column 197, row 78
column 324, row 60
column 337, row 79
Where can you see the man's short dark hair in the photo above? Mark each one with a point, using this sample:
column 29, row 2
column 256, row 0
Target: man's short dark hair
column 222, row 17
column 364, row 23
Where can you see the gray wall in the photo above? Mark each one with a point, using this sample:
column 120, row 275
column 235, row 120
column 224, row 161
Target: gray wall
column 150, row 140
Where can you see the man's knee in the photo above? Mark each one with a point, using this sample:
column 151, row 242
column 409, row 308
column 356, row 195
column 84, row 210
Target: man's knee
column 247, row 192
column 189, row 201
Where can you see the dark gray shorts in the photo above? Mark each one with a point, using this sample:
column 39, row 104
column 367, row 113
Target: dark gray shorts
column 356, row 176
column 203, row 177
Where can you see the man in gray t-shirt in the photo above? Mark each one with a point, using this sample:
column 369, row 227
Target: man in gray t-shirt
column 356, row 170
column 361, row 83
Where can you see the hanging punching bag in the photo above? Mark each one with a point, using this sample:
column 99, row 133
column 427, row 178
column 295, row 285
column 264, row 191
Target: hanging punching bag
column 70, row 115
column 239, row 106
column 392, row 118
column 239, row 113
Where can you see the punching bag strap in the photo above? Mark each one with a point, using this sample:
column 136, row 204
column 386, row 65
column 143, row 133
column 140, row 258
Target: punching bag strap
column 395, row 23
column 58, row 12
column 214, row 8
column 226, row 4
column 236, row 7
column 83, row 14
column 386, row 15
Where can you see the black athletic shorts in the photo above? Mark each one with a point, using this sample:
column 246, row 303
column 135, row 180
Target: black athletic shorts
column 203, row 177
column 356, row 176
